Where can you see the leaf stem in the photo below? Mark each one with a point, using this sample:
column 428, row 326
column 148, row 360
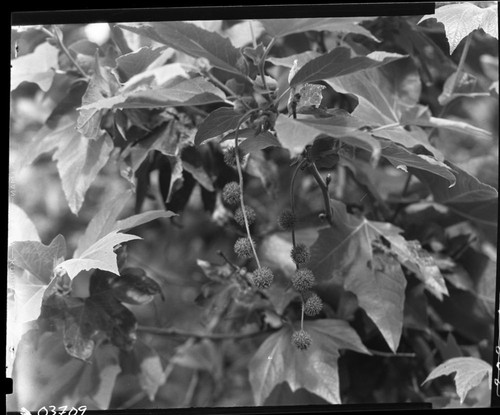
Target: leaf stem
column 324, row 190
column 262, row 62
column 226, row 89
column 461, row 63
column 277, row 100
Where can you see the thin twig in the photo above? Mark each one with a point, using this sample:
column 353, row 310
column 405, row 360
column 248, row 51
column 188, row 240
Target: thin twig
column 324, row 190
column 221, row 254
column 388, row 354
column 212, row 336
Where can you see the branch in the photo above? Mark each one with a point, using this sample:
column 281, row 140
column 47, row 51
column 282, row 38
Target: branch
column 213, row 336
column 324, row 190
column 388, row 354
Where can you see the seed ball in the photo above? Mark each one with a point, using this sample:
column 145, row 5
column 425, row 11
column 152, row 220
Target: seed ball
column 313, row 305
column 231, row 193
column 301, row 339
column 250, row 213
column 230, row 157
column 286, row 220
column 303, row 280
column 300, row 254
column 262, row 278
column 243, row 248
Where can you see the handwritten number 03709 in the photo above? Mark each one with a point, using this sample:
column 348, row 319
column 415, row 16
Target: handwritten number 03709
column 61, row 410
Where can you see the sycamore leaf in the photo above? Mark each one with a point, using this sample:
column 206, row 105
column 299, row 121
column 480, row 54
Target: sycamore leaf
column 38, row 67
column 37, row 258
column 141, row 218
column 217, row 123
column 162, row 139
column 38, row 261
column 469, row 198
column 103, row 221
column 405, row 160
column 379, row 285
column 461, row 19
column 103, row 84
column 344, row 254
column 106, row 220
column 470, row 371
column 412, row 256
column 277, row 360
column 284, row 27
column 133, row 63
column 99, row 255
column 338, row 62
column 196, row 91
column 258, row 142
column 294, row 135
column 156, row 77
column 192, row 40
column 20, row 228
column 78, row 159
column 289, row 61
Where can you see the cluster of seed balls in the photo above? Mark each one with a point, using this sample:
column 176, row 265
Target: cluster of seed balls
column 231, row 193
column 302, row 281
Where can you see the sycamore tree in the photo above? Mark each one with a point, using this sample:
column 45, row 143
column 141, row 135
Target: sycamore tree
column 254, row 212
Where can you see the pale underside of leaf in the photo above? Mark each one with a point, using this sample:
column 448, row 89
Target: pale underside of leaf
column 461, row 19
column 99, row 255
column 470, row 371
